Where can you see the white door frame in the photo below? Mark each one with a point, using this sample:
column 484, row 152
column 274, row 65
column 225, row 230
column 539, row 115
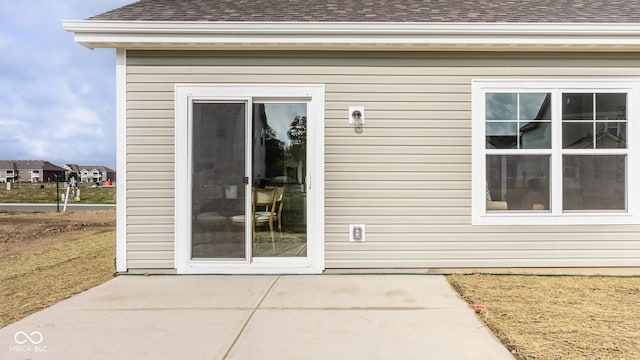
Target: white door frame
column 185, row 95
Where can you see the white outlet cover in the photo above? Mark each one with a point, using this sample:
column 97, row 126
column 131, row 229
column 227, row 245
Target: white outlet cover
column 351, row 226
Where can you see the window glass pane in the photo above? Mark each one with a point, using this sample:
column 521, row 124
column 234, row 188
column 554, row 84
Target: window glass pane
column 535, row 135
column 502, row 135
column 501, row 106
column 594, row 182
column 611, row 106
column 611, row 135
column 518, row 182
column 279, row 164
column 577, row 135
column 535, row 106
column 218, row 195
column 577, row 106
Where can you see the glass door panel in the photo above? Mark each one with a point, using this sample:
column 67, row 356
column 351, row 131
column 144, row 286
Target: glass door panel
column 218, row 192
column 279, row 168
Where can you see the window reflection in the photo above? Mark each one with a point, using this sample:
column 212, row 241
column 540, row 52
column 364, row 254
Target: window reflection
column 518, row 121
column 502, row 135
column 611, row 106
column 501, row 106
column 535, row 135
column 588, row 148
column 279, row 162
column 610, row 135
column 594, row 182
column 535, row 106
column 577, row 135
column 577, row 106
column 218, row 170
column 518, row 182
column 583, row 126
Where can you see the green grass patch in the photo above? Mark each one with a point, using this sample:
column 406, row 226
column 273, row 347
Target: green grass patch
column 28, row 193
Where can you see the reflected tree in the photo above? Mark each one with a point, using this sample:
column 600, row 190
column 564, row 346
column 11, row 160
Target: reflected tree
column 274, row 149
column 297, row 151
column 298, row 130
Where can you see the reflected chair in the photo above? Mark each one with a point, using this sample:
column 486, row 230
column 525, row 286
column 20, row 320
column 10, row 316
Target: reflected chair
column 264, row 206
column 279, row 205
column 211, row 218
column 264, row 210
column 496, row 205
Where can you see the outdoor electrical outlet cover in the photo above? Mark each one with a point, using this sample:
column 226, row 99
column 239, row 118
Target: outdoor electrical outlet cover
column 356, row 232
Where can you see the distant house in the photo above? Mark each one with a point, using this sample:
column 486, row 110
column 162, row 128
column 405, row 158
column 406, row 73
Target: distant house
column 29, row 171
column 91, row 173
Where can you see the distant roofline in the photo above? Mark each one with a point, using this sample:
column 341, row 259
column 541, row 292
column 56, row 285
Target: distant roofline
column 95, row 167
column 31, row 164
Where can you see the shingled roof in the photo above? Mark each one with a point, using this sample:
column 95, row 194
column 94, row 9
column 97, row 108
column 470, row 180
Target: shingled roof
column 447, row 11
column 29, row 165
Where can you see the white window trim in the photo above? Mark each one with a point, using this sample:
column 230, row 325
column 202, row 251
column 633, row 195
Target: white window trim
column 556, row 217
column 313, row 263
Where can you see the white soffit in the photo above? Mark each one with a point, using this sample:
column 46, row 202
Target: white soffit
column 356, row 36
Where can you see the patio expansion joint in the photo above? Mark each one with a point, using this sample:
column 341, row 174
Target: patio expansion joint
column 174, row 308
column 355, row 308
column 255, row 308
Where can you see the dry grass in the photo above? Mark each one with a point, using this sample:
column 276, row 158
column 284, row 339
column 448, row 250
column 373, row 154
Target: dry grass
column 35, row 280
column 559, row 317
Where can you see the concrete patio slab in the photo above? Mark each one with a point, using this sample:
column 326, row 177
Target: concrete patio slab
column 257, row 317
column 179, row 292
column 365, row 317
column 362, row 291
column 367, row 335
column 124, row 334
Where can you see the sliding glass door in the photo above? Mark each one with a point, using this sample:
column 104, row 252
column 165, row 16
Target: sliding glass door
column 245, row 160
column 275, row 206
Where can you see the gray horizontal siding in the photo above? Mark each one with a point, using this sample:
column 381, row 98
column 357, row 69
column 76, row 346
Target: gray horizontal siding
column 407, row 176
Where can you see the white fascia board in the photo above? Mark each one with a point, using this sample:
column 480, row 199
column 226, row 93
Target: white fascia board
column 358, row 36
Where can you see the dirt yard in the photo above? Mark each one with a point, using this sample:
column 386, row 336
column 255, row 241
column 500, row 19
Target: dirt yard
column 26, row 232
column 48, row 257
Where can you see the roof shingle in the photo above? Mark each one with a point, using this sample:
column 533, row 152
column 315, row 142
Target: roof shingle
column 29, row 165
column 448, row 11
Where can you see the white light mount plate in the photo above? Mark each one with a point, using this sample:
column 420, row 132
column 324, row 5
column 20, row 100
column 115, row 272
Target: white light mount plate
column 356, row 115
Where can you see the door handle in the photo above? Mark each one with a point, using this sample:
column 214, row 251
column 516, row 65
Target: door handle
column 245, row 180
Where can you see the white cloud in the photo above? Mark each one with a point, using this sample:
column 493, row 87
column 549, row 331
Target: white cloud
column 79, row 124
column 58, row 98
column 7, row 124
column 35, row 148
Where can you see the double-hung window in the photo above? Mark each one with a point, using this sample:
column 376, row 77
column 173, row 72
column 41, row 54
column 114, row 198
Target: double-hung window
column 554, row 152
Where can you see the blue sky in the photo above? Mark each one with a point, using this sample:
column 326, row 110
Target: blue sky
column 57, row 98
